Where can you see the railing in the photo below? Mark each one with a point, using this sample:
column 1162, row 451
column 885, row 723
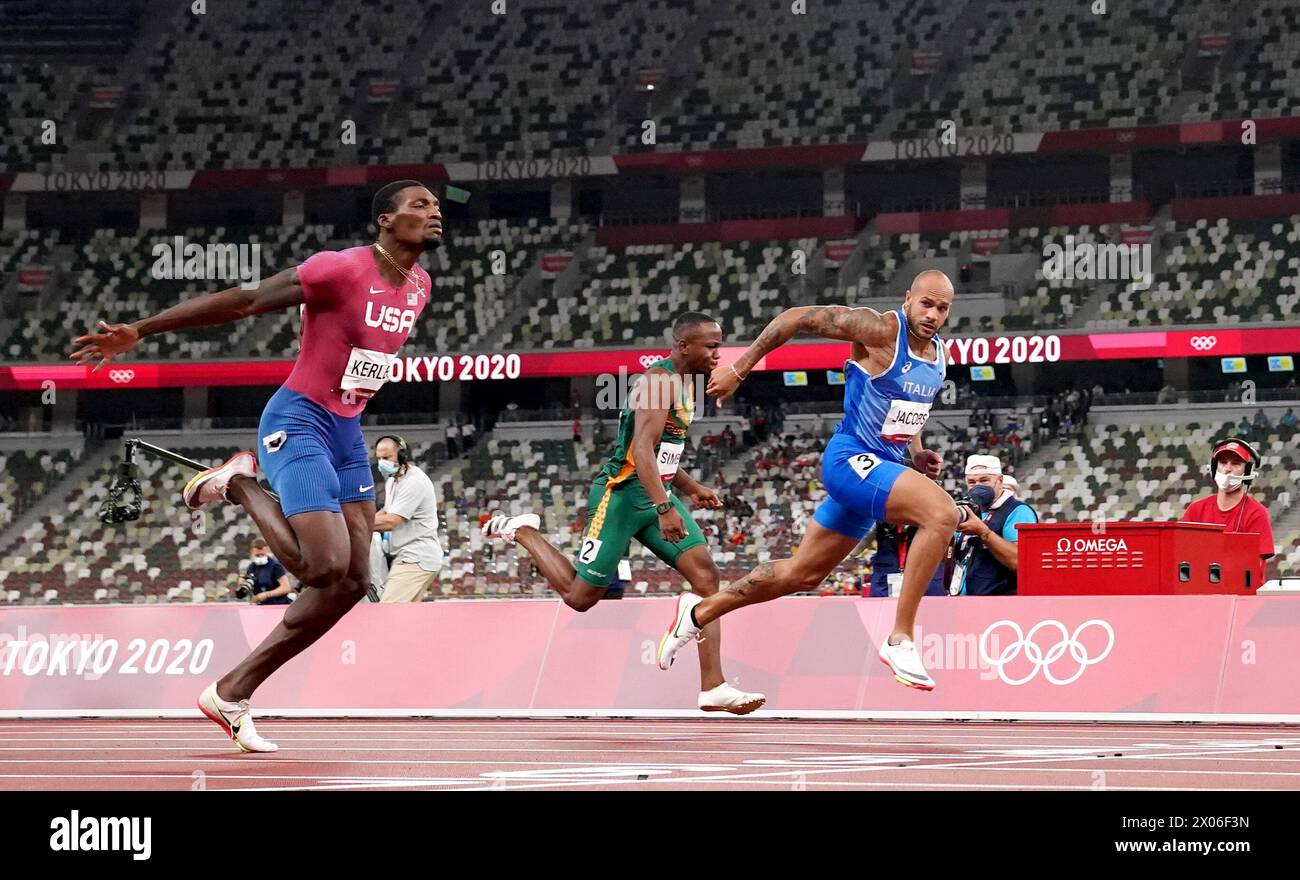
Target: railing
column 1232, row 396
column 814, row 407
column 1064, row 196
column 1210, row 188
column 1154, row 398
column 551, row 414
column 755, row 211
column 761, row 211
column 1132, row 398
column 406, row 418
column 639, row 216
column 227, row 423
column 161, row 423
column 907, row 204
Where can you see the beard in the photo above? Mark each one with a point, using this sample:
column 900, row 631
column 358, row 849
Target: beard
column 914, row 327
column 432, row 243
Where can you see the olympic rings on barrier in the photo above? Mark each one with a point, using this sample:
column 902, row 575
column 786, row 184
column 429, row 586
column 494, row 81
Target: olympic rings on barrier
column 1043, row 660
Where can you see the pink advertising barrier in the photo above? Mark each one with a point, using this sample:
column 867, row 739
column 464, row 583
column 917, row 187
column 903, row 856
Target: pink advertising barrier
column 1195, row 658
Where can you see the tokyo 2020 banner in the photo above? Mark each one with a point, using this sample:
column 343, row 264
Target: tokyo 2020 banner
column 1029, row 348
column 1107, row 658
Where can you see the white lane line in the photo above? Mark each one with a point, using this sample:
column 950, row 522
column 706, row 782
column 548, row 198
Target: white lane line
column 1009, row 764
column 913, row 786
column 811, row 738
column 629, row 728
column 767, row 749
column 794, row 772
column 486, row 762
column 189, row 778
column 812, row 758
column 432, row 784
column 1147, row 770
column 580, row 743
column 801, row 738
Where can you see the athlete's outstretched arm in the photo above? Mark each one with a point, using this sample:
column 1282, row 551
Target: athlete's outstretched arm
column 861, row 325
column 280, row 291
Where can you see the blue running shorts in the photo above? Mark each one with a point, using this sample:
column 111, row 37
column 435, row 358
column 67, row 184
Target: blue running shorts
column 858, row 482
column 314, row 459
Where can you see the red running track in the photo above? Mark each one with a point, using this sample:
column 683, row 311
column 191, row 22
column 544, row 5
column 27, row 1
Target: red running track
column 722, row 754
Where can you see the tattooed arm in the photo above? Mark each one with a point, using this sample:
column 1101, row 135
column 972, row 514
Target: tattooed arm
column 864, row 326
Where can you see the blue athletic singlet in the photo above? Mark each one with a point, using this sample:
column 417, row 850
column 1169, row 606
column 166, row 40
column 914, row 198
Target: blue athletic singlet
column 881, row 415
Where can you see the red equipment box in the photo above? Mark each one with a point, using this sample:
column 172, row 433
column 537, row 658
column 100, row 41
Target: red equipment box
column 1147, row 558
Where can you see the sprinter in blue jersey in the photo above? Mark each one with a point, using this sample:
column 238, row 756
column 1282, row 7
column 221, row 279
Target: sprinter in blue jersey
column 874, row 467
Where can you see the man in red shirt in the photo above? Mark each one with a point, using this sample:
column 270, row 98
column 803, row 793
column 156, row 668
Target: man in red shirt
column 1233, row 466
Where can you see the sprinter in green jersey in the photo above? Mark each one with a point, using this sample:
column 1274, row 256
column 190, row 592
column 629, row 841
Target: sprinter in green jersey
column 631, row 497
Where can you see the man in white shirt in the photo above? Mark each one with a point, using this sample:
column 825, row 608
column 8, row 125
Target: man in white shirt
column 410, row 516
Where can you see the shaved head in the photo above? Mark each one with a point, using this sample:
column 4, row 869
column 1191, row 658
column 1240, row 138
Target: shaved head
column 927, row 303
column 932, row 280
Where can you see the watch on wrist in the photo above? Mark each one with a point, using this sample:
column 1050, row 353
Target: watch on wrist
column 661, row 509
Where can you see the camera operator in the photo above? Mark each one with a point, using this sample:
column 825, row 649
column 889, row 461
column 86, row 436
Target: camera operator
column 410, row 515
column 986, row 552
column 891, row 556
column 264, row 581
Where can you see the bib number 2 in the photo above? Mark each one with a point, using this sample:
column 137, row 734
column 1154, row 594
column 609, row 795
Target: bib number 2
column 862, row 463
column 590, row 547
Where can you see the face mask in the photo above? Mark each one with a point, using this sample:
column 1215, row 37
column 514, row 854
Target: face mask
column 387, row 468
column 982, row 495
column 261, row 560
column 1227, row 482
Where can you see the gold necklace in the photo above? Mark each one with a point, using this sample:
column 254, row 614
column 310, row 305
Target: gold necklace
column 410, row 276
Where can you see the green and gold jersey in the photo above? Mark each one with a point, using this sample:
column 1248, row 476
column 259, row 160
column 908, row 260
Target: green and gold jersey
column 620, row 469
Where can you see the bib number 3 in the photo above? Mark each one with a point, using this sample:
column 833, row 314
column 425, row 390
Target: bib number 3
column 862, row 463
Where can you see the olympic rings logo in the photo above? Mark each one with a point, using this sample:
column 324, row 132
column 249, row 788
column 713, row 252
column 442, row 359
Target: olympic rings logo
column 1043, row 660
column 648, row 359
column 121, row 377
column 1204, row 343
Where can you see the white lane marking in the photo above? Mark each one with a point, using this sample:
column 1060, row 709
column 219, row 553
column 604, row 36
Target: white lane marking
column 1007, row 764
column 711, row 726
column 615, row 737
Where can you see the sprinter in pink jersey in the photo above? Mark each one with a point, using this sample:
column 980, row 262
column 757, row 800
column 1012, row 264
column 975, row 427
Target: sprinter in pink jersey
column 358, row 307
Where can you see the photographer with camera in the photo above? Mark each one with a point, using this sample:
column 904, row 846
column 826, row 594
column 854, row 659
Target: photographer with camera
column 887, row 562
column 986, row 549
column 264, row 581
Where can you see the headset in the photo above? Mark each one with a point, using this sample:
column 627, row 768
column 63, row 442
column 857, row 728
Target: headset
column 1236, row 444
column 403, row 451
